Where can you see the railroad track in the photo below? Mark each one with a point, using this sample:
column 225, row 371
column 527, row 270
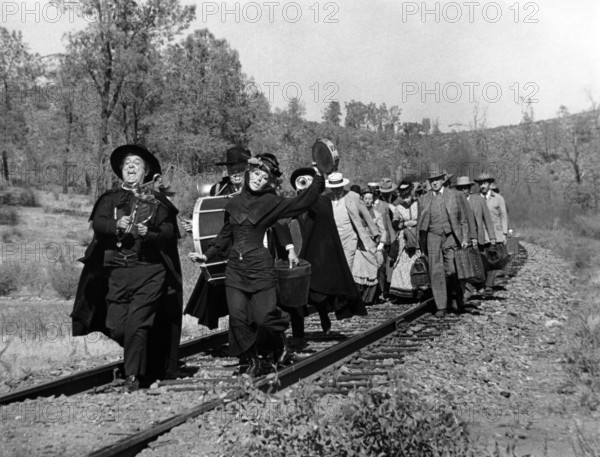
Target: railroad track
column 366, row 357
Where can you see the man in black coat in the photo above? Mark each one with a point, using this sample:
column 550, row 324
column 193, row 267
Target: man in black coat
column 236, row 162
column 332, row 287
column 132, row 272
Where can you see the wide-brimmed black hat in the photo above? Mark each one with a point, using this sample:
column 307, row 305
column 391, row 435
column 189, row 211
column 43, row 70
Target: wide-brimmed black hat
column 301, row 172
column 119, row 154
column 236, row 155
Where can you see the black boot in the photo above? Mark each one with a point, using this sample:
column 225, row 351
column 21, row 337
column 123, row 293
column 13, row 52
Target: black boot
column 252, row 362
column 253, row 367
column 282, row 354
column 132, row 383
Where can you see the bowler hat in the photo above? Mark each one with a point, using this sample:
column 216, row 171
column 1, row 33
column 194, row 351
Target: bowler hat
column 236, row 155
column 119, row 154
column 464, row 181
column 386, row 186
column 485, row 176
column 434, row 171
column 301, row 172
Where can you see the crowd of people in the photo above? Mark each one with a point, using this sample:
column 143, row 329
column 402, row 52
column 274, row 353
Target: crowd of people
column 361, row 244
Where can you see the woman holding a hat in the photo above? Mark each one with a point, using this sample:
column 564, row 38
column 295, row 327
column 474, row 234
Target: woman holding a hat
column 256, row 325
column 132, row 272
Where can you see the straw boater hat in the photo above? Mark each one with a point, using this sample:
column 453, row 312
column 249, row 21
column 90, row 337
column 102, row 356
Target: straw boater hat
column 336, row 180
column 483, row 177
column 236, row 155
column 119, row 154
column 464, row 181
column 386, row 186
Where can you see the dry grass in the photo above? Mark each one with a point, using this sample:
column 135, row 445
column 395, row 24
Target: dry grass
column 36, row 335
column 35, row 328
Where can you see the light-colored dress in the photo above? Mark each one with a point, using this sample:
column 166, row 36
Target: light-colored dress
column 400, row 283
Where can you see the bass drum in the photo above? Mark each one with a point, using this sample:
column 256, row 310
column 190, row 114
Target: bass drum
column 208, row 219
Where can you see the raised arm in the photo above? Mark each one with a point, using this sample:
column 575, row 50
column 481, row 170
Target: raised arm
column 293, row 207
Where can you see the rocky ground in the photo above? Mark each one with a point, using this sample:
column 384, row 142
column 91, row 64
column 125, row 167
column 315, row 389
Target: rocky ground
column 500, row 369
column 503, row 370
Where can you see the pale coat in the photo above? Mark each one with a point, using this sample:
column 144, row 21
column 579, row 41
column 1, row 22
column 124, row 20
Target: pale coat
column 497, row 207
column 364, row 225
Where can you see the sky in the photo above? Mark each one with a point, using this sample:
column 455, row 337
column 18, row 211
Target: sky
column 438, row 60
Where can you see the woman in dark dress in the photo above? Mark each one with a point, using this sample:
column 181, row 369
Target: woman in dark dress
column 256, row 324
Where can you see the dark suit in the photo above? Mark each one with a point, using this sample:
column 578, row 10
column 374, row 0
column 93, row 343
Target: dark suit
column 440, row 247
column 484, row 225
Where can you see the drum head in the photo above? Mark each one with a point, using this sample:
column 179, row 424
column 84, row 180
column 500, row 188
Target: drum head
column 325, row 155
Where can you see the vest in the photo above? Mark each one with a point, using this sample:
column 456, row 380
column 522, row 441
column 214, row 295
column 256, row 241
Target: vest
column 439, row 223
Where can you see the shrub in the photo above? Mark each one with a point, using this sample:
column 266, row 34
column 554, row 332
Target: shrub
column 33, row 277
column 392, row 422
column 11, row 235
column 27, row 197
column 18, row 196
column 64, row 277
column 8, row 216
column 588, row 226
column 65, row 211
column 10, row 273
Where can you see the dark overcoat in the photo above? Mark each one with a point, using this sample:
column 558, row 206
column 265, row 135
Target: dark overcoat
column 89, row 309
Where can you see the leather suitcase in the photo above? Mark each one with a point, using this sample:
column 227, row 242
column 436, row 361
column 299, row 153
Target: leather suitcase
column 496, row 257
column 419, row 273
column 469, row 266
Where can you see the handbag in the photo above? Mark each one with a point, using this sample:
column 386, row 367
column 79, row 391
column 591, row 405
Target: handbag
column 469, row 266
column 419, row 273
column 496, row 257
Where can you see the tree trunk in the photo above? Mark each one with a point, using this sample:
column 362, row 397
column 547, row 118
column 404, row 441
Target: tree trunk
column 5, row 166
column 101, row 182
column 65, row 183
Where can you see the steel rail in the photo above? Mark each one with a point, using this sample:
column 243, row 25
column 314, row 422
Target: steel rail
column 104, row 374
column 135, row 443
